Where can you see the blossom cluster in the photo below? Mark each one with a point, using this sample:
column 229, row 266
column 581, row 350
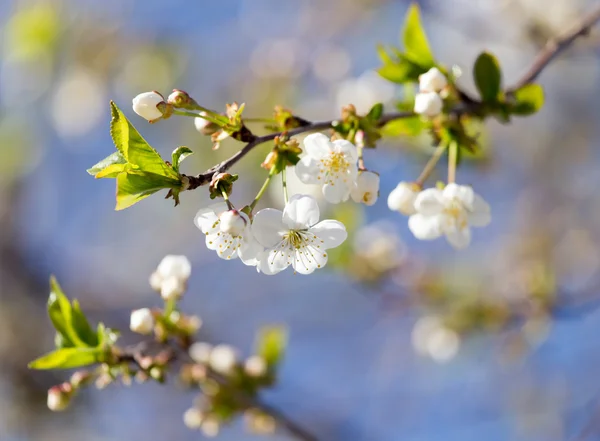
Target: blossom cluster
column 432, row 87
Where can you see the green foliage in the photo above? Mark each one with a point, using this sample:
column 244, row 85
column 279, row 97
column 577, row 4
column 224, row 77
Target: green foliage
column 138, row 168
column 412, row 126
column 527, row 100
column 76, row 342
column 488, row 77
column 375, row 113
column 271, row 343
column 415, row 40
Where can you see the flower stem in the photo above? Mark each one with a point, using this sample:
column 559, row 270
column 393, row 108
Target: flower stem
column 206, row 116
column 260, row 120
column 430, row 166
column 226, row 197
column 169, row 307
column 284, row 181
column 452, row 159
column 262, row 190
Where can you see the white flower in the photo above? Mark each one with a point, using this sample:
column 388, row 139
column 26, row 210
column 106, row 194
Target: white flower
column 192, row 418
column 255, row 366
column 227, row 245
column 366, row 189
column 175, row 266
column 402, row 198
column 432, row 81
column 59, row 397
column 428, row 103
column 141, row 321
column 330, row 164
column 172, row 288
column 200, row 352
column 201, row 123
column 210, row 426
column 145, row 105
column 450, row 211
column 295, row 236
column 231, row 222
column 223, row 359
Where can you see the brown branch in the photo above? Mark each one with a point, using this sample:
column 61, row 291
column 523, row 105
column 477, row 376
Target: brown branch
column 555, row 46
column 137, row 353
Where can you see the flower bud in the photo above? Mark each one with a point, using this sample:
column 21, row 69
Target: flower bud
column 59, row 397
column 155, row 281
column 192, row 418
column 428, row 103
column 205, row 126
column 174, row 266
column 181, row 100
column 232, row 222
column 402, row 198
column 255, row 366
column 432, row 81
column 200, row 352
column 366, row 189
column 172, row 288
column 146, row 105
column 80, row 379
column 141, row 321
column 223, row 359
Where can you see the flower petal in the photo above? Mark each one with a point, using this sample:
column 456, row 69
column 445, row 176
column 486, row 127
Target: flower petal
column 330, row 233
column 481, row 214
column 430, row 202
column 250, row 250
column 317, row 145
column 463, row 193
column 278, row 258
column 348, row 149
column 307, row 259
column 267, row 227
column 336, row 192
column 301, row 212
column 459, row 238
column 308, row 170
column 425, row 227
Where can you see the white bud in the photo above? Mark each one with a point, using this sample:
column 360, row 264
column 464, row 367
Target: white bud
column 232, row 222
column 201, row 123
column 155, row 281
column 192, row 418
column 141, row 321
column 59, row 397
column 172, row 288
column 145, row 105
column 223, row 359
column 210, row 427
column 432, row 81
column 255, row 366
column 366, row 189
column 174, row 266
column 200, row 352
column 428, row 103
column 402, row 198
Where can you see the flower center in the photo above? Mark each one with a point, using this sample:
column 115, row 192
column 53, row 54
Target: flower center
column 334, row 165
column 294, row 239
column 457, row 212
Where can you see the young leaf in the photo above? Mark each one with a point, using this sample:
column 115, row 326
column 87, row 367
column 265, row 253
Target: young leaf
column 375, row 112
column 115, row 159
column 402, row 71
column 488, row 77
column 403, row 126
column 529, row 99
column 82, row 327
column 61, row 314
column 134, row 186
column 179, row 154
column 68, row 358
column 271, row 343
column 415, row 40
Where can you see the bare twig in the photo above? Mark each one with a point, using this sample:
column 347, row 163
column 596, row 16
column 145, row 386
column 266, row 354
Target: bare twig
column 555, row 46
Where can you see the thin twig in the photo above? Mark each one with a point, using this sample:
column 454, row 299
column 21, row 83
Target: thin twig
column 555, row 46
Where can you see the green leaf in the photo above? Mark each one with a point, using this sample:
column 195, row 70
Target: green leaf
column 415, row 40
column 113, row 160
column 271, row 343
column 106, row 336
column 82, row 327
column 179, row 154
column 402, row 72
column 134, row 186
column 134, row 148
column 375, row 112
column 488, row 77
column 68, row 358
column 61, row 314
column 528, row 100
column 403, row 127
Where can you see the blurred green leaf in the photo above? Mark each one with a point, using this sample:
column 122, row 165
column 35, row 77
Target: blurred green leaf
column 403, row 127
column 112, row 162
column 488, row 77
column 68, row 358
column 271, row 343
column 528, row 100
column 82, row 326
column 401, row 72
column 106, row 336
column 60, row 312
column 179, row 154
column 375, row 112
column 134, row 186
column 415, row 40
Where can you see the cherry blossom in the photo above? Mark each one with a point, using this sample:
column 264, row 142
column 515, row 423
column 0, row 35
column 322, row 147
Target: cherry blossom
column 332, row 164
column 449, row 212
column 402, row 198
column 145, row 105
column 432, row 81
column 295, row 236
column 366, row 189
column 429, row 104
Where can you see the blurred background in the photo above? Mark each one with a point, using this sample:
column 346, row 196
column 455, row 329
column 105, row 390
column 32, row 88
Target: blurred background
column 397, row 339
